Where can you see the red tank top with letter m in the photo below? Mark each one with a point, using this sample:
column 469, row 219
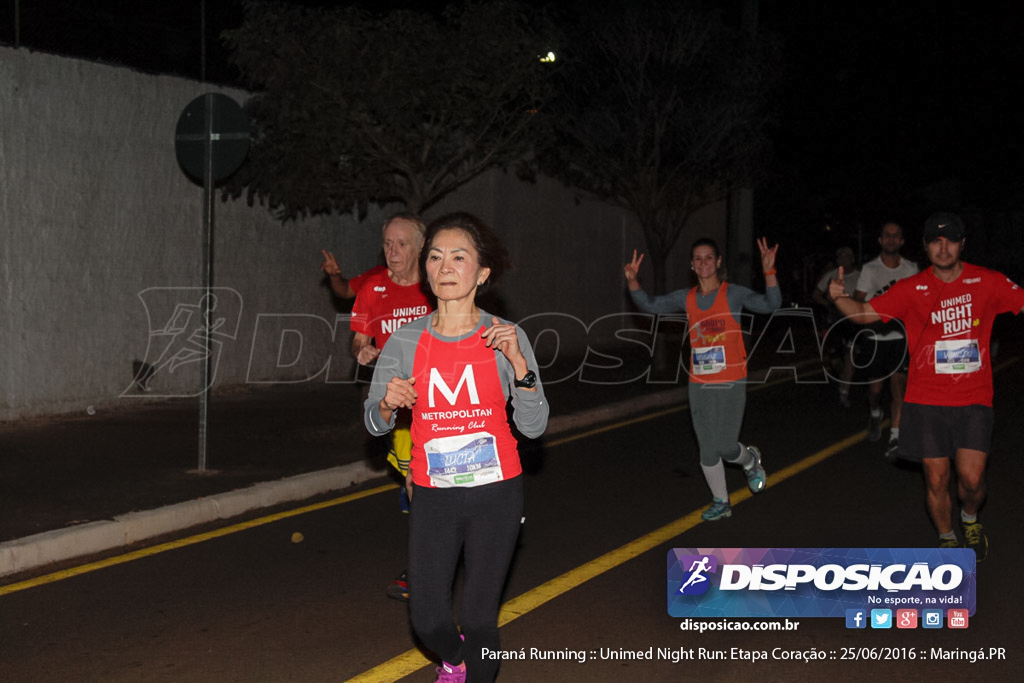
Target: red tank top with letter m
column 460, row 429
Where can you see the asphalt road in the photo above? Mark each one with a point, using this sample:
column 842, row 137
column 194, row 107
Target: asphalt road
column 253, row 602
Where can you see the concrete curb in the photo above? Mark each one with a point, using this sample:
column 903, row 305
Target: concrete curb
column 38, row 550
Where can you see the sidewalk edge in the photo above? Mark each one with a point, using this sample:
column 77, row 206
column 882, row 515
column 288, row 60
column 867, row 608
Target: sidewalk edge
column 38, row 550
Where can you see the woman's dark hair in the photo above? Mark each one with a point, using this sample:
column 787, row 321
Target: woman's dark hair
column 705, row 242
column 491, row 253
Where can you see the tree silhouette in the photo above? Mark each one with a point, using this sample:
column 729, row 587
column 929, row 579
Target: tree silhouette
column 662, row 109
column 353, row 107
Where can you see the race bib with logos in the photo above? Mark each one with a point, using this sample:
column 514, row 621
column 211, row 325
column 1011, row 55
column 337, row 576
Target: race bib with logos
column 957, row 356
column 465, row 460
column 708, row 360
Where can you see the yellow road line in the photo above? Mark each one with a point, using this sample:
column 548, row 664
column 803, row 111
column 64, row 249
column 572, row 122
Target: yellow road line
column 190, row 540
column 1005, row 364
column 517, row 607
column 217, row 533
column 413, row 660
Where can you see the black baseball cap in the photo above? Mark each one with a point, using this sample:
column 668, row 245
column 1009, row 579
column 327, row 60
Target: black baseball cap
column 944, row 224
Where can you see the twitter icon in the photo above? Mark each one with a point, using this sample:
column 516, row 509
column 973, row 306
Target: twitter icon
column 881, row 618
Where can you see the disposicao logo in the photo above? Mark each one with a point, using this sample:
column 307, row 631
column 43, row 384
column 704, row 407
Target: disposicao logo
column 696, row 580
column 818, row 582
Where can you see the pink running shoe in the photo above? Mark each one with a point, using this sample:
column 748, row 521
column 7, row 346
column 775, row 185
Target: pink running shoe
column 449, row 673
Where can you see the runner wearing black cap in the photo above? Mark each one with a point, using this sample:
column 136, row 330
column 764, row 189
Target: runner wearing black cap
column 948, row 311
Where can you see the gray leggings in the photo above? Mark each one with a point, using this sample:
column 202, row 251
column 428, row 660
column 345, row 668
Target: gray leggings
column 717, row 412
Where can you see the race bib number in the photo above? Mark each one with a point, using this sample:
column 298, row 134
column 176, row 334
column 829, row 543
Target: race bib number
column 465, row 460
column 957, row 356
column 708, row 360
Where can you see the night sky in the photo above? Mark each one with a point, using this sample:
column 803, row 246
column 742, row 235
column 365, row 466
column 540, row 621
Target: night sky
column 887, row 99
column 886, row 107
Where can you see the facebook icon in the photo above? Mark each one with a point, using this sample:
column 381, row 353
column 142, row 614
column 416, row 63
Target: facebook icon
column 856, row 618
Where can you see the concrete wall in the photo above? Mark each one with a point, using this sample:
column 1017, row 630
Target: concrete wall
column 100, row 250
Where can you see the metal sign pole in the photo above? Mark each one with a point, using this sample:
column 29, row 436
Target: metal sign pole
column 211, row 140
column 207, row 261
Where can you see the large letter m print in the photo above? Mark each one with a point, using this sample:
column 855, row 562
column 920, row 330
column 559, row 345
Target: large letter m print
column 467, row 380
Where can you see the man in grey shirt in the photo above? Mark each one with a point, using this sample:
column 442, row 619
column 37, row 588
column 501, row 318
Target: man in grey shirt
column 889, row 353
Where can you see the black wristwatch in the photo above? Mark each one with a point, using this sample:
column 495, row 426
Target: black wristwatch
column 529, row 380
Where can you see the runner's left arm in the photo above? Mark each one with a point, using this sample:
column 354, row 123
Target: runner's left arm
column 530, row 408
column 741, row 297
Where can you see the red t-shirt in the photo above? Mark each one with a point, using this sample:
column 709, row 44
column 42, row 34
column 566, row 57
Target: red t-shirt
column 358, row 281
column 381, row 306
column 948, row 330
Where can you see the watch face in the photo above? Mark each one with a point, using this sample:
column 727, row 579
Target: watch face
column 528, row 381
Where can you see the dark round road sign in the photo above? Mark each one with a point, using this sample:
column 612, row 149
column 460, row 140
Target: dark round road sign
column 214, row 125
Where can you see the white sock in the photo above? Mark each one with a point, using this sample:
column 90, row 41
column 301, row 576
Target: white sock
column 715, row 477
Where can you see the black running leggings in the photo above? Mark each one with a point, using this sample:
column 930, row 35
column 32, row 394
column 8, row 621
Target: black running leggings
column 483, row 522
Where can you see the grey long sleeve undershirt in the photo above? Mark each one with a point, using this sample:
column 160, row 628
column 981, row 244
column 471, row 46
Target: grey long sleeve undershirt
column 529, row 408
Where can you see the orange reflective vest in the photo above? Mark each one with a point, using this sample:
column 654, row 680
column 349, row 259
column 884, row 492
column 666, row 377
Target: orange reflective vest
column 717, row 352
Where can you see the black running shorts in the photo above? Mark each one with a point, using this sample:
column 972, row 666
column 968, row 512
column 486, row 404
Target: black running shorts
column 938, row 431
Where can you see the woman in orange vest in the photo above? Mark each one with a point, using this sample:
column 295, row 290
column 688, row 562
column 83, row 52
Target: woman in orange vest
column 718, row 360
